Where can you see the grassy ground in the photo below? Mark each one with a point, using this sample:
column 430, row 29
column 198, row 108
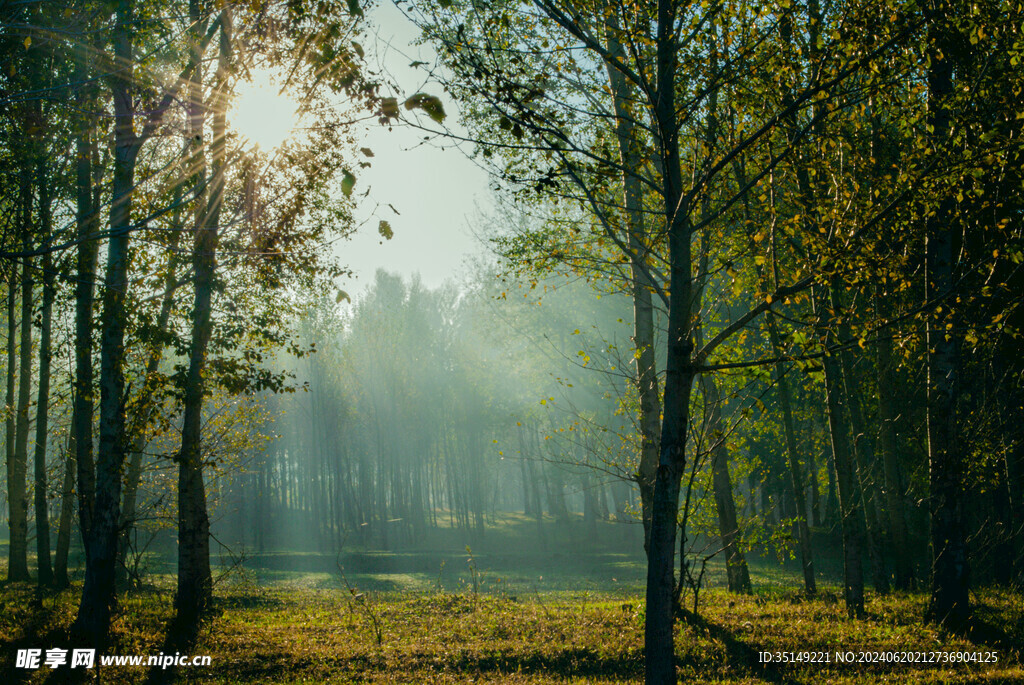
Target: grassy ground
column 558, row 611
column 301, row 631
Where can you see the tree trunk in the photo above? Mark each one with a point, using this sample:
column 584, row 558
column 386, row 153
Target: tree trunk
column 832, row 498
column 17, row 563
column 195, row 584
column 863, row 458
column 728, row 523
column 812, row 473
column 796, row 476
column 67, row 505
column 894, row 488
column 950, row 602
column 642, row 287
column 80, row 443
column 851, row 516
column 17, row 488
column 679, row 374
column 101, row 524
column 45, row 571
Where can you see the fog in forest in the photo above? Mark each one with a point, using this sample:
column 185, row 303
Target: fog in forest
column 475, row 415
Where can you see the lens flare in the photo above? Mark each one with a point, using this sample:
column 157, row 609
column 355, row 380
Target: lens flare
column 262, row 114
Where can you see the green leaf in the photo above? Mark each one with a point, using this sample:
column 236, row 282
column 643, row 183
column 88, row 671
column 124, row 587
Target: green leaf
column 389, row 108
column 348, row 182
column 430, row 104
column 384, row 228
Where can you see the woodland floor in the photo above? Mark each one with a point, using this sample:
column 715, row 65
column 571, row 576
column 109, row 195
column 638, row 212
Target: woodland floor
column 566, row 609
column 310, row 628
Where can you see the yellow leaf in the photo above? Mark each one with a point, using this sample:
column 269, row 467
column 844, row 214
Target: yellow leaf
column 28, row 42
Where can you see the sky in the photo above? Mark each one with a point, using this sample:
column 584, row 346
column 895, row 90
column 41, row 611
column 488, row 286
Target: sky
column 435, row 188
column 430, row 193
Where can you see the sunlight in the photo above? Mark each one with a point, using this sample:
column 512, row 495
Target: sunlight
column 261, row 114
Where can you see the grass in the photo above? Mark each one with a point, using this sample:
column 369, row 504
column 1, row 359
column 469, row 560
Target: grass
column 309, row 629
column 560, row 612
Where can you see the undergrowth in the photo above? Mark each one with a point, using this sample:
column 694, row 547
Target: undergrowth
column 295, row 634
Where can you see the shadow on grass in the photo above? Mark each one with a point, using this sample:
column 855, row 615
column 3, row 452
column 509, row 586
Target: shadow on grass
column 984, row 632
column 565, row 663
column 742, row 656
column 181, row 637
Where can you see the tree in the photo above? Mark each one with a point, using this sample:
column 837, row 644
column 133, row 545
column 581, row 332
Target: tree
column 195, row 584
column 667, row 70
column 950, row 603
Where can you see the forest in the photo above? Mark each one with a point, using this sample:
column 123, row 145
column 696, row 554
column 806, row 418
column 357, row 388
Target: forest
column 731, row 388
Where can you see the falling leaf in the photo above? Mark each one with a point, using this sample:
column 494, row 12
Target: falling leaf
column 348, row 182
column 389, row 108
column 384, row 228
column 342, row 295
column 28, row 42
column 430, row 104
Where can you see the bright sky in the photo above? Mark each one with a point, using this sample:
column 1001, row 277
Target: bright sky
column 261, row 114
column 437, row 191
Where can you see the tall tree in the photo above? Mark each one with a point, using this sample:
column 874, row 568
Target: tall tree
column 103, row 493
column 195, row 585
column 42, row 508
column 16, row 488
column 950, row 602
